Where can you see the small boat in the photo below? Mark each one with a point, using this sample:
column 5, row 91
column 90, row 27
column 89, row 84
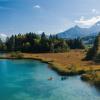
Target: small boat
column 63, row 78
column 50, row 78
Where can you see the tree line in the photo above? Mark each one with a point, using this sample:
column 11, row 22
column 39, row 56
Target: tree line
column 31, row 42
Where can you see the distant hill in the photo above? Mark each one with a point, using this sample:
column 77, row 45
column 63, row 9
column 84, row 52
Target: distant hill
column 77, row 31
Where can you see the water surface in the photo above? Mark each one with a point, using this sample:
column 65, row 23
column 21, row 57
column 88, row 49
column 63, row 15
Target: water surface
column 28, row 80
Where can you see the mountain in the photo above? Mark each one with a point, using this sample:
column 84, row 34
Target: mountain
column 3, row 37
column 95, row 29
column 77, row 31
column 73, row 32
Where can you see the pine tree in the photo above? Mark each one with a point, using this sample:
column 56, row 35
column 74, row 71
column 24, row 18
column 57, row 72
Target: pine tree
column 94, row 52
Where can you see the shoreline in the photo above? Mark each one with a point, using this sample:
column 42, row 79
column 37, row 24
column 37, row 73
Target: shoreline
column 56, row 63
column 52, row 65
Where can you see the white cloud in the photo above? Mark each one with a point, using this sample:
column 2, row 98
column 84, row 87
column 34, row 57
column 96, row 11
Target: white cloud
column 95, row 11
column 37, row 6
column 88, row 22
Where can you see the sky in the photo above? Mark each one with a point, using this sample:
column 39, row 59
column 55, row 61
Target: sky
column 50, row 16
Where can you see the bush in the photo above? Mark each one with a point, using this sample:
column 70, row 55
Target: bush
column 17, row 54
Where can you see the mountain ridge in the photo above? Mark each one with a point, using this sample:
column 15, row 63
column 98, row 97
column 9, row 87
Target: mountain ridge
column 78, row 32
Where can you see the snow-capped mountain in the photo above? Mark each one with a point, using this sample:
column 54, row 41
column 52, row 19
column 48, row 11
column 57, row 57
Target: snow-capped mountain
column 95, row 28
column 77, row 31
column 3, row 37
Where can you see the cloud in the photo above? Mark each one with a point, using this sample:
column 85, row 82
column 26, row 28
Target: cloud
column 88, row 22
column 95, row 11
column 37, row 6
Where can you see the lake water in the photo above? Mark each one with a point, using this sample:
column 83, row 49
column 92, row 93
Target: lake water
column 28, row 80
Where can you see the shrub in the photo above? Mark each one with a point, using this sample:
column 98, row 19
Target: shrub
column 17, row 54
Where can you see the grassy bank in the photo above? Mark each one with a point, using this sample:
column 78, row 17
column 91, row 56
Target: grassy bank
column 92, row 77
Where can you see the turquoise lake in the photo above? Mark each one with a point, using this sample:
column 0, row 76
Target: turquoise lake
column 28, row 80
